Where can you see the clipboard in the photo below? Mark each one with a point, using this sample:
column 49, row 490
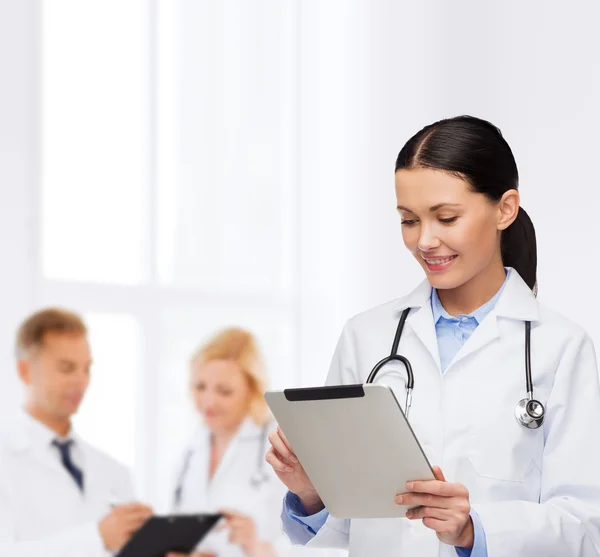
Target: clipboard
column 161, row 534
column 355, row 445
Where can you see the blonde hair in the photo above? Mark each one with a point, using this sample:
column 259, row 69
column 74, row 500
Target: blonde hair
column 31, row 333
column 240, row 346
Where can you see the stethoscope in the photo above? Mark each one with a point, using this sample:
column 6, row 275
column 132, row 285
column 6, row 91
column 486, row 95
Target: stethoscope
column 529, row 411
column 257, row 479
column 260, row 476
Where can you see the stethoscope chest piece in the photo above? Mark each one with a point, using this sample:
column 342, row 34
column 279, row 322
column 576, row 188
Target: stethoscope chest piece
column 530, row 413
column 258, row 479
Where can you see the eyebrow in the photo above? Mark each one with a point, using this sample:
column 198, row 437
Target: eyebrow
column 64, row 361
column 432, row 209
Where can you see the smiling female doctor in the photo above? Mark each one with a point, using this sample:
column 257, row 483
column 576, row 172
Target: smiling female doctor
column 508, row 488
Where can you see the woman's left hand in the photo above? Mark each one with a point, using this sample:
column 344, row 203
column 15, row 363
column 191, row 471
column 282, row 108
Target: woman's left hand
column 242, row 530
column 443, row 507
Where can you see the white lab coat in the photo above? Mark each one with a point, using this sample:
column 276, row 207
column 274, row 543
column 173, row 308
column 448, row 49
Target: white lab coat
column 537, row 492
column 231, row 487
column 42, row 511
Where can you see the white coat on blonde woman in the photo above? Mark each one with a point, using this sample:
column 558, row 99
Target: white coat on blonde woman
column 224, row 468
column 233, row 486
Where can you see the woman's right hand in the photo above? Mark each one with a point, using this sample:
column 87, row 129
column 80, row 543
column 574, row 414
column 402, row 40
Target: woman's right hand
column 289, row 470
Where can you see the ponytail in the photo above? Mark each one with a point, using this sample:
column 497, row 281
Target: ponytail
column 519, row 248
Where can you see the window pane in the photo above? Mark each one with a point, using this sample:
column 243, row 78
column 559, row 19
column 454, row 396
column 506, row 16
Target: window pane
column 225, row 135
column 93, row 142
column 107, row 417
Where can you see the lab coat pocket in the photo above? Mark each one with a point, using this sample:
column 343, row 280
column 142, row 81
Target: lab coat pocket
column 507, row 453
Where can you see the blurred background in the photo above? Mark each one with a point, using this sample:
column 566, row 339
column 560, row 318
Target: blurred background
column 168, row 167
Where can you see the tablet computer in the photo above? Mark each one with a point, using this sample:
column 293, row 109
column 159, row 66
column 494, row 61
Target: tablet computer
column 162, row 534
column 355, row 445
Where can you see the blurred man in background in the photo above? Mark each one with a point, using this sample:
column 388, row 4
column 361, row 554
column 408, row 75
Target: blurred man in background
column 58, row 493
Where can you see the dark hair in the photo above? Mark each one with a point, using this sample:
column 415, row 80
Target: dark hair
column 475, row 151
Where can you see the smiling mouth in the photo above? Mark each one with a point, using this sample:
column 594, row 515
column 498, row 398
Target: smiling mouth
column 438, row 260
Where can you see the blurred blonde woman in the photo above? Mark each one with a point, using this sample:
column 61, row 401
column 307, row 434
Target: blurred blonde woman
column 224, row 466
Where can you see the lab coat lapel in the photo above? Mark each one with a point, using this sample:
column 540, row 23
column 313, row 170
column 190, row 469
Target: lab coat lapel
column 421, row 322
column 516, row 301
column 420, row 319
column 97, row 493
column 221, row 473
column 100, row 492
column 199, row 457
column 20, row 439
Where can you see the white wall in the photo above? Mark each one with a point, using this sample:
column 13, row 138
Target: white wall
column 533, row 69
column 19, row 169
column 373, row 73
column 361, row 96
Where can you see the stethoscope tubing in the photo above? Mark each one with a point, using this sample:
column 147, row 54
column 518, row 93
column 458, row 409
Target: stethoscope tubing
column 529, row 412
column 258, row 478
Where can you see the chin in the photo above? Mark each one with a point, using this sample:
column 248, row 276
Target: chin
column 213, row 422
column 68, row 413
column 445, row 281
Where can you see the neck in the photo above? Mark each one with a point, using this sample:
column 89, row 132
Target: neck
column 222, row 437
column 61, row 426
column 474, row 293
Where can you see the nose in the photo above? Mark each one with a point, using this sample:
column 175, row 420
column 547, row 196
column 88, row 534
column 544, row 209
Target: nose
column 208, row 398
column 427, row 238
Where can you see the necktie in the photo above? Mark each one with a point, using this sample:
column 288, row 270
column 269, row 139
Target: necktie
column 65, row 456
